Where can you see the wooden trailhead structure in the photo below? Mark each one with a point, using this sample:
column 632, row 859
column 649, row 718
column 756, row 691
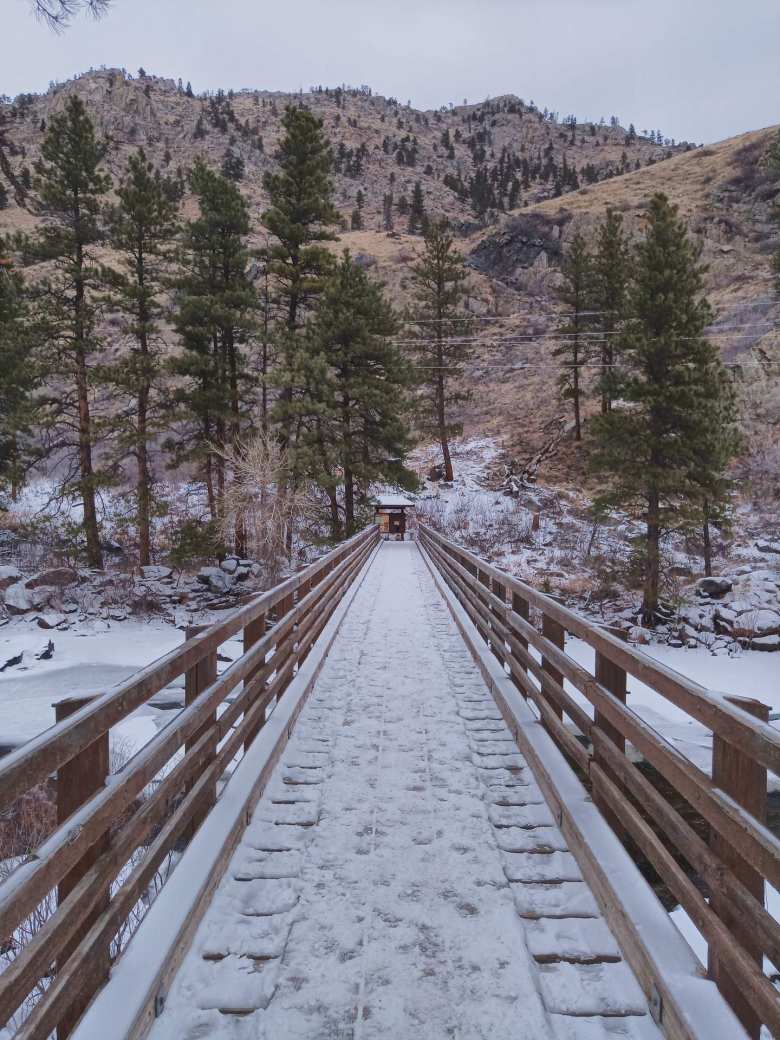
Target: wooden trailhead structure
column 393, row 514
column 412, row 805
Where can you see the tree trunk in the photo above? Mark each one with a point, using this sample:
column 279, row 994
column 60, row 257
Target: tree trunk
column 706, row 540
column 143, row 491
column 576, row 393
column 441, row 419
column 335, row 519
column 86, row 472
column 653, row 564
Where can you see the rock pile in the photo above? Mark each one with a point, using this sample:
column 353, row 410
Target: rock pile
column 60, row 597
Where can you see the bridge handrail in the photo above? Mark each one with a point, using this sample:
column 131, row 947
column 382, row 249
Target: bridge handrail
column 741, row 854
column 85, row 856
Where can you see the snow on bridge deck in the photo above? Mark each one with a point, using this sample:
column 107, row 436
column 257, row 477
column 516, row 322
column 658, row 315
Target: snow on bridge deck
column 402, row 876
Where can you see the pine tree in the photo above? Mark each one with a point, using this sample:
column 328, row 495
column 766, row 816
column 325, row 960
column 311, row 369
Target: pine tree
column 417, row 217
column 649, row 448
column 3, row 196
column 298, row 218
column 359, row 383
column 19, row 378
column 142, row 226
column 611, row 263
column 356, row 220
column 214, row 318
column 71, row 187
column 232, row 166
column 575, row 295
column 438, row 280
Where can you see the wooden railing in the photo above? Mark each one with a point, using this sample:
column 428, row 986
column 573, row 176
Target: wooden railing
column 638, row 779
column 114, row 832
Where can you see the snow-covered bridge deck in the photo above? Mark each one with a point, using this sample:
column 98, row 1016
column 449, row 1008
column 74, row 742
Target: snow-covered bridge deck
column 402, row 875
column 405, row 846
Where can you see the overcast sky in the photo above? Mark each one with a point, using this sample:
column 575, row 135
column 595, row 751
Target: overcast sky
column 699, row 70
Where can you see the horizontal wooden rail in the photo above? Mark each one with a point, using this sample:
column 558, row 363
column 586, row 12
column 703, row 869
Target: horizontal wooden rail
column 742, row 852
column 119, row 837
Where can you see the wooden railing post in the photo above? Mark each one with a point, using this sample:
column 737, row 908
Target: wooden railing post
column 613, row 678
column 499, row 590
column 77, row 780
column 254, row 631
column 196, row 680
column 520, row 607
column 744, row 780
column 555, row 632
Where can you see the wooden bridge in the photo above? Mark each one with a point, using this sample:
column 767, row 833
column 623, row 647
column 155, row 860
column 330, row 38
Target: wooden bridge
column 403, row 811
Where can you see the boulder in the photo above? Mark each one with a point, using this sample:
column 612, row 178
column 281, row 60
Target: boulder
column 156, row 572
column 714, row 586
column 229, row 565
column 214, row 578
column 18, row 599
column 11, row 662
column 59, row 576
column 9, row 576
column 768, row 547
column 51, row 619
column 46, row 653
column 771, row 643
column 758, row 623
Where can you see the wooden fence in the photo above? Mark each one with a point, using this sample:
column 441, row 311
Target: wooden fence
column 114, row 832
column 638, row 778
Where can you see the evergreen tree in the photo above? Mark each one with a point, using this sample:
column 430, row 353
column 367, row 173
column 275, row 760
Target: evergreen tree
column 142, row 226
column 298, row 218
column 19, row 378
column 232, row 166
column 214, row 318
column 356, row 220
column 417, row 217
column 438, row 280
column 359, row 385
column 611, row 264
column 3, row 196
column 71, row 187
column 649, row 448
column 575, row 295
column 188, row 90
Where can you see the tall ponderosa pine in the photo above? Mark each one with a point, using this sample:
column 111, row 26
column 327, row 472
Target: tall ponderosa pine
column 611, row 262
column 360, row 381
column 19, row 377
column 297, row 219
column 215, row 318
column 441, row 349
column 71, row 187
column 142, row 227
column 572, row 348
column 649, row 448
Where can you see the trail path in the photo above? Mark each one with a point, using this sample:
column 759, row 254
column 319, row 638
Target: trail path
column 402, row 876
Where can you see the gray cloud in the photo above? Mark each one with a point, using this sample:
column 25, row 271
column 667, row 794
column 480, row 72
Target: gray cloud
column 696, row 69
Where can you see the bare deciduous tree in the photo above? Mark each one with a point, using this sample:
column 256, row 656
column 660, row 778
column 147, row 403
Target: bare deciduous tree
column 260, row 503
